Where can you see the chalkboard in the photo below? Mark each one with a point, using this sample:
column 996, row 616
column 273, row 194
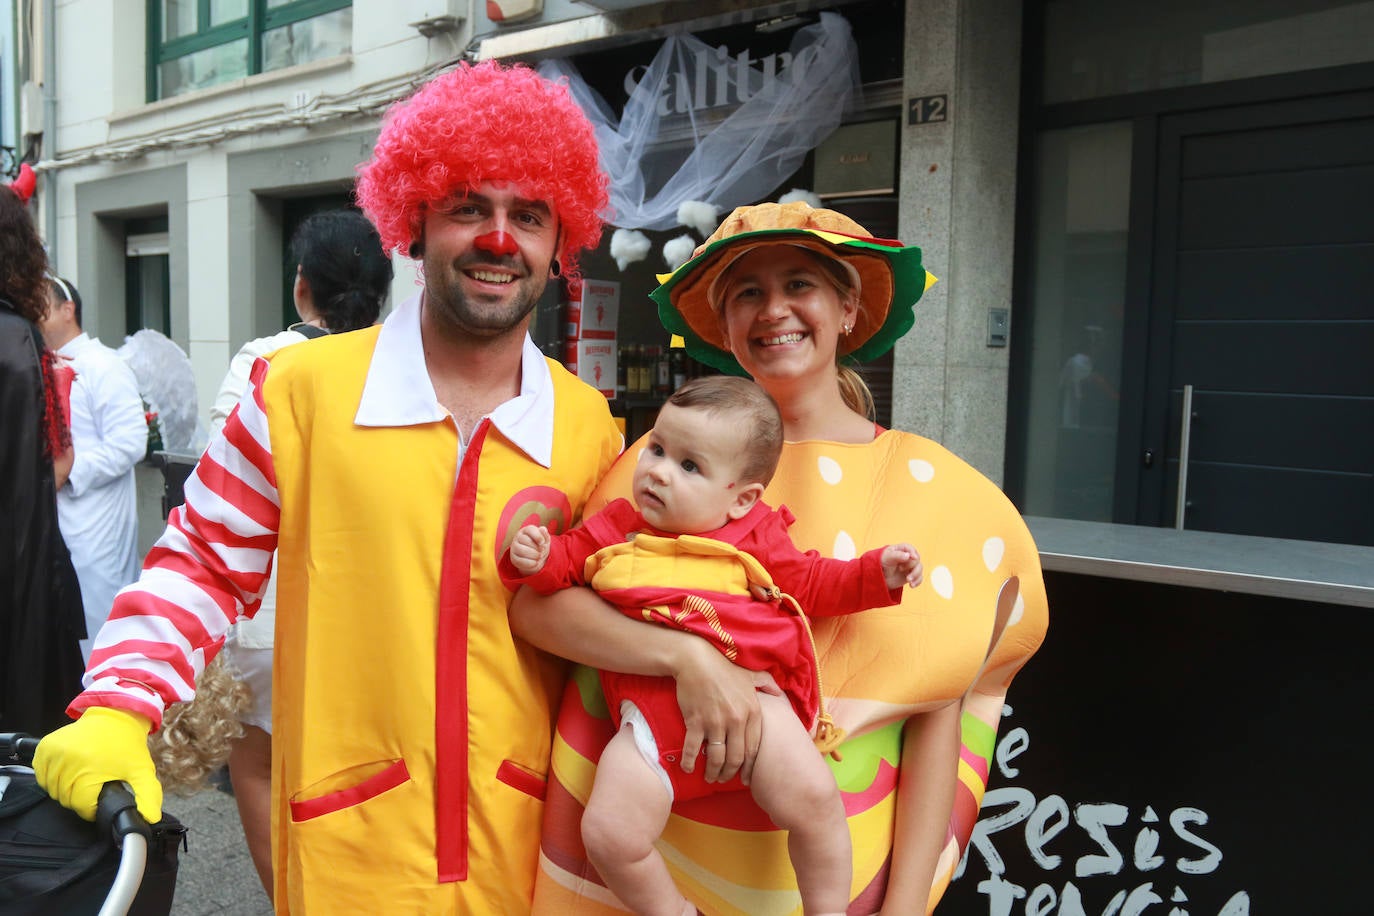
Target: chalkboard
column 1183, row 752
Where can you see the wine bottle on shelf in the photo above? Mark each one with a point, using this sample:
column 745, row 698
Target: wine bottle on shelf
column 639, row 373
column 677, row 367
column 663, row 378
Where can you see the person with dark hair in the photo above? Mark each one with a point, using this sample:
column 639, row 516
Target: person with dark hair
column 342, row 278
column 700, row 551
column 388, row 467
column 98, row 505
column 40, row 600
column 342, row 273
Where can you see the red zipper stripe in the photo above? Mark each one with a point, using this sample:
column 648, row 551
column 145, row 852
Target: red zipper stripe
column 451, row 671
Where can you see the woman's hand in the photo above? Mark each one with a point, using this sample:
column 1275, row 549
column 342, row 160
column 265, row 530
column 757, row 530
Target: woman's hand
column 720, row 705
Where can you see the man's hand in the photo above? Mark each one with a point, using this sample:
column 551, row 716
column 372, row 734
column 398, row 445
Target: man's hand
column 720, row 706
column 530, row 549
column 62, row 467
column 73, row 763
column 901, row 566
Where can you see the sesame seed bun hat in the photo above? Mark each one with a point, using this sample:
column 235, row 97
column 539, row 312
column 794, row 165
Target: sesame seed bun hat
column 887, row 274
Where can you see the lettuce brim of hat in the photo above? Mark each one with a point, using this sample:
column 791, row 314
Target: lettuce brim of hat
column 892, row 281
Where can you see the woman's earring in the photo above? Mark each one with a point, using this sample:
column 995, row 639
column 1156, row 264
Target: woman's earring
column 846, row 329
column 555, row 269
column 416, row 250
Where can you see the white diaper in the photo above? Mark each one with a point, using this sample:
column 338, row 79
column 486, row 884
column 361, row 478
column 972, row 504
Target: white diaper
column 644, row 741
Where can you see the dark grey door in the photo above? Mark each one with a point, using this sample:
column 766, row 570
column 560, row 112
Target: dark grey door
column 1262, row 300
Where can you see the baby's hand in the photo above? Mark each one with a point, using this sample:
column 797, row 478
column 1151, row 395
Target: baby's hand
column 901, row 564
column 530, row 549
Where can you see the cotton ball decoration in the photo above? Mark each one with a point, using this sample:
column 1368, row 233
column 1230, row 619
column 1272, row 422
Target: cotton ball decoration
column 676, row 252
column 628, row 246
column 808, row 197
column 698, row 215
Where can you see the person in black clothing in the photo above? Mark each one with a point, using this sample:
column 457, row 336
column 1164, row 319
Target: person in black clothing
column 41, row 621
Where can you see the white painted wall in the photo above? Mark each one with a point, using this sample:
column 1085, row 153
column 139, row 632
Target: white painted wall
column 105, row 130
column 958, row 192
column 957, row 184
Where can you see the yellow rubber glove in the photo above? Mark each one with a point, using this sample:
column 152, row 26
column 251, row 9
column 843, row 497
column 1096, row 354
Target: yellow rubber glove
column 73, row 763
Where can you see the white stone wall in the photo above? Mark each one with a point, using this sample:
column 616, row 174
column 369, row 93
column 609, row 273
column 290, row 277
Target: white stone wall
column 957, row 185
column 958, row 195
column 106, row 128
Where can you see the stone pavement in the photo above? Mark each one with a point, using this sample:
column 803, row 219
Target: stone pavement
column 215, row 876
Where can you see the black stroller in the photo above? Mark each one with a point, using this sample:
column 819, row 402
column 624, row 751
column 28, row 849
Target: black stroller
column 53, row 863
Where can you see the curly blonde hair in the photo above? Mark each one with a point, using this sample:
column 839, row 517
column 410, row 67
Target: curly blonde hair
column 196, row 737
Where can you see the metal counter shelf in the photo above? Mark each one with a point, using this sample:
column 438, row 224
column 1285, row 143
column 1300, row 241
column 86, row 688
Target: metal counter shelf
column 1302, row 570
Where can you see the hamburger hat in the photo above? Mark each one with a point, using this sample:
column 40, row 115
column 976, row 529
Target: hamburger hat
column 888, row 275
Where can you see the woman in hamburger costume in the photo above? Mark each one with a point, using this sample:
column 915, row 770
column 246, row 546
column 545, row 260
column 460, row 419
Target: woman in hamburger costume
column 788, row 295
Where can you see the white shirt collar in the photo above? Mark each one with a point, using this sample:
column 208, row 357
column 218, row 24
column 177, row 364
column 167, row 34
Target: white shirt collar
column 75, row 345
column 398, row 391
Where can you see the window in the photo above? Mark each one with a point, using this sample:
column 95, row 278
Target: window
column 1077, row 291
column 147, row 276
column 201, row 43
column 1094, row 49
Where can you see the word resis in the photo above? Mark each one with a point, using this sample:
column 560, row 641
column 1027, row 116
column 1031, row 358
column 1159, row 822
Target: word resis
column 1113, row 850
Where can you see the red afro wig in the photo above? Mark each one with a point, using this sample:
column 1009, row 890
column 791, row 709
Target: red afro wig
column 486, row 122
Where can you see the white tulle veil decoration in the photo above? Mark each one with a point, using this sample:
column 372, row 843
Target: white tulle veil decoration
column 168, row 383
column 657, row 161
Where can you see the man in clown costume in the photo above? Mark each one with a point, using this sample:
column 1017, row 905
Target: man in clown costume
column 390, row 467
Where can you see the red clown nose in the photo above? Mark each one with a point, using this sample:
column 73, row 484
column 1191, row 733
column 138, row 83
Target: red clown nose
column 497, row 242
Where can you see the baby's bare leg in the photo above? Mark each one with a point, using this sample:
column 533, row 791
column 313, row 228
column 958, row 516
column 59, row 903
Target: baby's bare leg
column 627, row 811
column 794, row 786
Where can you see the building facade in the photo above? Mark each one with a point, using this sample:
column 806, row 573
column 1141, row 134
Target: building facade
column 1051, row 158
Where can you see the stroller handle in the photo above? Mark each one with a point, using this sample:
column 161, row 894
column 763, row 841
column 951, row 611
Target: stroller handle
column 17, row 746
column 115, row 810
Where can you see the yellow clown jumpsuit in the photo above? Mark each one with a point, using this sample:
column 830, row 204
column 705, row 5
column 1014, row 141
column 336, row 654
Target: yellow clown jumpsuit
column 411, row 731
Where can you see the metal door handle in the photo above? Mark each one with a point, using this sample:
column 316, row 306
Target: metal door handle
column 1184, row 442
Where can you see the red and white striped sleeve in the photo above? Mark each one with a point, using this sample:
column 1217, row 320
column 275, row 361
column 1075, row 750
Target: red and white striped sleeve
column 209, row 568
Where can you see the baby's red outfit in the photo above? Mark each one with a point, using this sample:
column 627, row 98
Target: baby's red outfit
column 701, row 584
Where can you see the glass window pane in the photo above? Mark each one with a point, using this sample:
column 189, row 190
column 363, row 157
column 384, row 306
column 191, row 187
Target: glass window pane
column 310, row 39
column 1078, row 279
column 201, row 69
column 1095, row 49
column 222, row 11
column 149, row 301
column 178, row 19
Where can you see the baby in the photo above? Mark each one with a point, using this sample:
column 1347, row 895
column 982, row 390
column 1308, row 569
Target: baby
column 697, row 555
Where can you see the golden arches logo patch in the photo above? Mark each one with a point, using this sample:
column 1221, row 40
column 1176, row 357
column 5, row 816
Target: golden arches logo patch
column 532, row 506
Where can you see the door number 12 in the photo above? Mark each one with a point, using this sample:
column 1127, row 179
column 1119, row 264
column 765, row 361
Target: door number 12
column 927, row 109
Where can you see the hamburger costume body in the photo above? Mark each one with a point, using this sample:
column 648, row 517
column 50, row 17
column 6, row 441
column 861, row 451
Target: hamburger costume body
column 960, row 638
